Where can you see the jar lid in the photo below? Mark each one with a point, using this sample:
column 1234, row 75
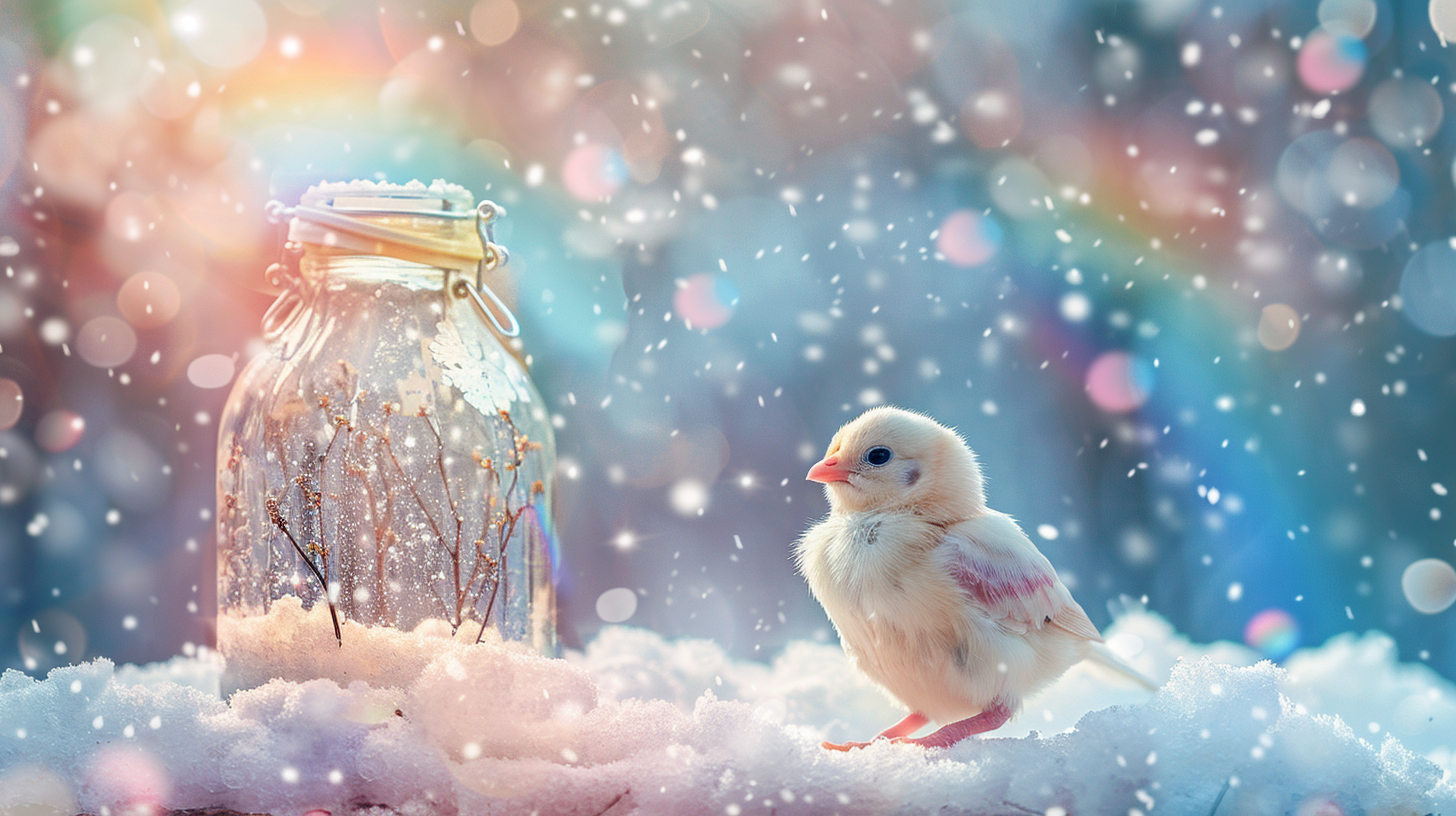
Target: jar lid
column 365, row 196
column 433, row 224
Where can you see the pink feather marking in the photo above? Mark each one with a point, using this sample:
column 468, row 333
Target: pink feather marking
column 1018, row 588
column 994, row 588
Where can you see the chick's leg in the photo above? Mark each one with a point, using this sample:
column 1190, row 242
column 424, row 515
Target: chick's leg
column 909, row 725
column 992, row 718
column 905, row 727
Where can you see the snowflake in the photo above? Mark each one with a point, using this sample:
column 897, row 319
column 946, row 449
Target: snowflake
column 489, row 379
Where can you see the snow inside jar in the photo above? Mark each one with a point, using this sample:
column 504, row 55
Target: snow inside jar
column 385, row 465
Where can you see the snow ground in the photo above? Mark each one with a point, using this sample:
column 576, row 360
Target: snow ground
column 641, row 724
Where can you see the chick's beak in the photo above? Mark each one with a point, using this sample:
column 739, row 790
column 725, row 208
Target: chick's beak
column 828, row 470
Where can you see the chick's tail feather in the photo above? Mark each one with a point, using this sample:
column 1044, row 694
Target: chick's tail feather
column 1101, row 655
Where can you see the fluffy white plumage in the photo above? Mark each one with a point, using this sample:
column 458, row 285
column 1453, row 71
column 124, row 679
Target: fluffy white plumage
column 942, row 601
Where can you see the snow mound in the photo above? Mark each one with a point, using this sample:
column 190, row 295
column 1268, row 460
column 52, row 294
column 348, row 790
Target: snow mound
column 289, row 642
column 638, row 724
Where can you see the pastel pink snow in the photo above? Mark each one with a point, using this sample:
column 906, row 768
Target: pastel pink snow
column 666, row 727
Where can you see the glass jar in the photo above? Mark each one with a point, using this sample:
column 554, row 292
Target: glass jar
column 386, row 461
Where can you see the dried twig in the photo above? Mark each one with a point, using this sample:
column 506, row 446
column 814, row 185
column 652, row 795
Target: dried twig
column 454, row 512
column 507, row 520
column 424, row 508
column 482, row 586
column 277, row 518
column 614, row 802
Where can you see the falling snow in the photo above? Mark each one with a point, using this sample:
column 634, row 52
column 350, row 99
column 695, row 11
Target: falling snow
column 1179, row 274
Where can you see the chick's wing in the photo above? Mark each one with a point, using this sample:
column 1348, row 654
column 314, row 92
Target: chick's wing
column 1003, row 573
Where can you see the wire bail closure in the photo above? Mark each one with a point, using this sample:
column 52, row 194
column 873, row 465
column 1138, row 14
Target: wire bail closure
column 283, row 274
column 492, row 256
column 331, row 220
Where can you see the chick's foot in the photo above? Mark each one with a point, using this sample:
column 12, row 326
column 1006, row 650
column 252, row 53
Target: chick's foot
column 992, row 718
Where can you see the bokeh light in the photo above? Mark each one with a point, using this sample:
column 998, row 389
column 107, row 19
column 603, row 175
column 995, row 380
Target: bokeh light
column 59, row 430
column 1331, row 61
column 1429, row 585
column 211, row 371
column 593, row 172
column 705, row 301
column 106, row 342
column 1354, row 17
column 492, row 22
column 129, row 775
column 968, row 239
column 1017, row 187
column 131, row 216
column 170, row 90
column 1273, row 633
column 220, row 33
column 689, row 497
column 992, row 117
column 1278, row 326
column 1303, row 172
column 1405, row 112
column 1337, row 272
column 1443, row 19
column 12, row 403
column 148, row 300
column 1348, row 187
column 1428, row 288
column 70, row 162
column 1119, row 382
column 108, row 60
column 1075, row 307
column 616, row 605
column 1363, row 174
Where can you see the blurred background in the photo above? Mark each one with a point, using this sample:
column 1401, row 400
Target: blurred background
column 1182, row 273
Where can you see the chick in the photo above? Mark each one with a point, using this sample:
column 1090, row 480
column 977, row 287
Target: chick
column 943, row 602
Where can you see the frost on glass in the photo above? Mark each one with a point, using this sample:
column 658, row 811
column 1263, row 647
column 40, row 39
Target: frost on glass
column 388, row 458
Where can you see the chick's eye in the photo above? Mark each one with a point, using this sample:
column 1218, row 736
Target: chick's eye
column 878, row 456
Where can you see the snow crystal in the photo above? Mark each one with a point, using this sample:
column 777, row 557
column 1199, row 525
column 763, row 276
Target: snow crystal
column 438, row 187
column 637, row 723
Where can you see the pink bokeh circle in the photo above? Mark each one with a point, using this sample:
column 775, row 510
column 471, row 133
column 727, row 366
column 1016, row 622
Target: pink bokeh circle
column 706, row 301
column 968, row 239
column 593, row 172
column 1331, row 62
column 1119, row 382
